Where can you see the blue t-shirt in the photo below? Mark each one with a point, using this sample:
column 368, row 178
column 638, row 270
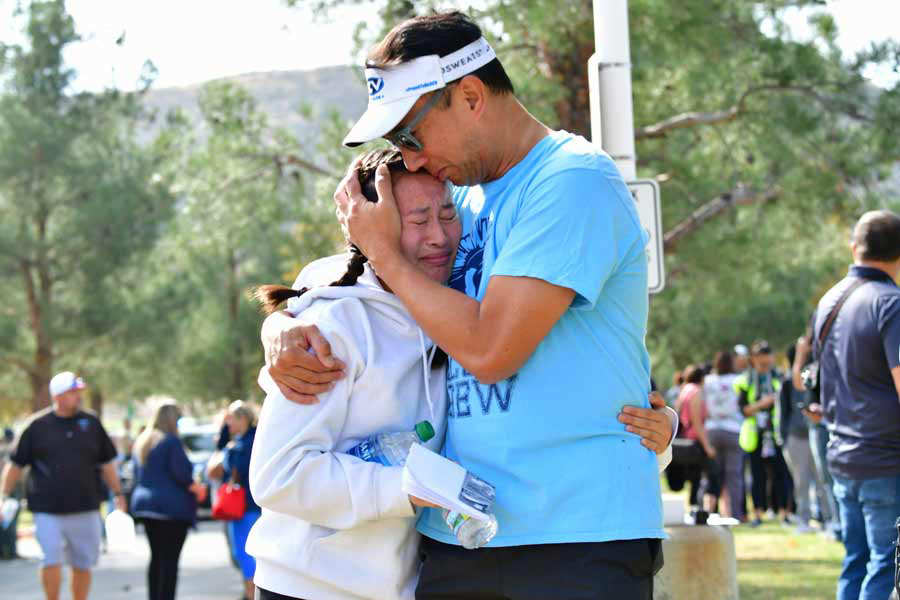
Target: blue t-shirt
column 548, row 437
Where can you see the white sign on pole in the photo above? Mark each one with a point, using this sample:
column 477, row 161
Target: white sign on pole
column 646, row 196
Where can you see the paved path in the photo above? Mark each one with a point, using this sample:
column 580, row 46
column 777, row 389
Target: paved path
column 206, row 572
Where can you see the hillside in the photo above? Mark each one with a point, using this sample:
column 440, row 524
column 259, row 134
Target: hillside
column 280, row 95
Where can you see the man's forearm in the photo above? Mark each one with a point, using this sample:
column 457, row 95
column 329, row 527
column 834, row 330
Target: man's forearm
column 802, row 354
column 111, row 477
column 11, row 474
column 449, row 317
column 491, row 338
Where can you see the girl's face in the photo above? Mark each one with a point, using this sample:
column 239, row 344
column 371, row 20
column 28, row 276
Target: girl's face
column 430, row 227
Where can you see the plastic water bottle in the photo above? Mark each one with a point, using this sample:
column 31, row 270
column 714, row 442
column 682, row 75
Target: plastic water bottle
column 471, row 533
column 391, row 449
column 474, row 533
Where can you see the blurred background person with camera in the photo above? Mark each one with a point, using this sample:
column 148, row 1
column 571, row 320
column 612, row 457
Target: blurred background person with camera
column 801, row 369
column 859, row 372
column 793, row 435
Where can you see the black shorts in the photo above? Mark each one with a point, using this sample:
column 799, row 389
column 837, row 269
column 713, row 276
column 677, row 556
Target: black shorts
column 262, row 594
column 621, row 569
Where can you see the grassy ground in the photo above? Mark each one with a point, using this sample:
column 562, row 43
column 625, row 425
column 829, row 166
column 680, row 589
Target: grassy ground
column 774, row 564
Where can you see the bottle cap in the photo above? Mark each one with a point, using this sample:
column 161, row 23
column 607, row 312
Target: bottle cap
column 424, row 430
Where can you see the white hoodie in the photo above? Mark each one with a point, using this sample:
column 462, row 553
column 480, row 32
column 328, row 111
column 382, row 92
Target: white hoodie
column 334, row 527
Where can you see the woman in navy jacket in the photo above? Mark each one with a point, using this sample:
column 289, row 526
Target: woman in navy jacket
column 165, row 497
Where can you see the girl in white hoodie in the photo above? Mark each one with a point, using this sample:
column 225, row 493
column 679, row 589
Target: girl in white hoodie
column 334, row 527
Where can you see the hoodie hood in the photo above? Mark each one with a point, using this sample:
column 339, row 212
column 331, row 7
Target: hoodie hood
column 319, row 273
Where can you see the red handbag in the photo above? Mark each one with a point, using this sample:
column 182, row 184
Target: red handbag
column 230, row 501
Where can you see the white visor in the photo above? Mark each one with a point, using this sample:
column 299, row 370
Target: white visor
column 393, row 91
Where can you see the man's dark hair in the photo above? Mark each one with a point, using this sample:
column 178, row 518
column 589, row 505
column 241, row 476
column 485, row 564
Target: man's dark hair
column 441, row 34
column 877, row 236
column 722, row 363
column 693, row 374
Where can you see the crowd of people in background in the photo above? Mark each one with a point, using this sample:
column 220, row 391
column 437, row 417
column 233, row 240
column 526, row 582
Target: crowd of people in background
column 822, row 435
column 745, row 429
column 75, row 468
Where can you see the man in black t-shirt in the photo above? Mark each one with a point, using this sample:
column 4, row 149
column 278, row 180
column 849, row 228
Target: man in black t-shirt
column 65, row 446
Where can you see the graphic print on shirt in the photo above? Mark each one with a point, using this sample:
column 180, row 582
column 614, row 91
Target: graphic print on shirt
column 465, row 394
column 466, row 274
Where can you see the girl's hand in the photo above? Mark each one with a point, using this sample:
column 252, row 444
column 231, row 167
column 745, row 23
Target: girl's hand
column 419, row 502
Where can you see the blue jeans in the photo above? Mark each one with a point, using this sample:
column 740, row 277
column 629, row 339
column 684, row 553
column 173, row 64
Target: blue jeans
column 869, row 508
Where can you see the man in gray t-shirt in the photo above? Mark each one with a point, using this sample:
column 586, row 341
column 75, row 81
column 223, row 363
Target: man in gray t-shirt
column 860, row 381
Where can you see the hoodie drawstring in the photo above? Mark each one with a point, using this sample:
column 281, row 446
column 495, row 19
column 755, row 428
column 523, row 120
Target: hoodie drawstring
column 426, row 366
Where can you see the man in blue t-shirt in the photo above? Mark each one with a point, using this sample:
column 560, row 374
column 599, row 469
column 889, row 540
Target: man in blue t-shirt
column 544, row 321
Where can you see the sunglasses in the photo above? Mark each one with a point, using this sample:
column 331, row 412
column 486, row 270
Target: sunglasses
column 403, row 138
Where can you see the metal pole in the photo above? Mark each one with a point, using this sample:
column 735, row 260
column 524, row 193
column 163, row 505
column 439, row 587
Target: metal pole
column 609, row 79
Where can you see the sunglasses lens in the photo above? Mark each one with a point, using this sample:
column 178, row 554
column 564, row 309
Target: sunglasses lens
column 408, row 141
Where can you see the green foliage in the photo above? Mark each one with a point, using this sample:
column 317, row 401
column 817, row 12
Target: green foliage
column 239, row 198
column 79, row 206
column 804, row 126
column 809, row 127
column 131, row 264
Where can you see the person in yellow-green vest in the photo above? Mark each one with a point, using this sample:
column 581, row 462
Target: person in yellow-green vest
column 757, row 391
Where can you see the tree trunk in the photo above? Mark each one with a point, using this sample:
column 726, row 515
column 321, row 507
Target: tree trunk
column 573, row 110
column 96, row 399
column 39, row 372
column 234, row 295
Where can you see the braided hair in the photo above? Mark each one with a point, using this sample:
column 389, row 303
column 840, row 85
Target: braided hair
column 272, row 296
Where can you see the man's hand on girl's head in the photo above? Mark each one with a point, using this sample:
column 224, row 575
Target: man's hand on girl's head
column 374, row 227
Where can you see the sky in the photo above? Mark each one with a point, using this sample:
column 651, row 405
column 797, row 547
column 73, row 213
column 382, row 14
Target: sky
column 191, row 41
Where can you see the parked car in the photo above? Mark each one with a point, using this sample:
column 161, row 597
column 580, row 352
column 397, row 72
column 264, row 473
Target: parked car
column 200, row 443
